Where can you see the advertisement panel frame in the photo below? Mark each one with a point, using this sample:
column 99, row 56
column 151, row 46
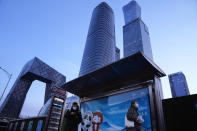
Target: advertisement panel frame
column 148, row 84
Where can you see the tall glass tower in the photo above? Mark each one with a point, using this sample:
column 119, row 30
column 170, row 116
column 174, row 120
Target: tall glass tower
column 178, row 84
column 100, row 44
column 135, row 32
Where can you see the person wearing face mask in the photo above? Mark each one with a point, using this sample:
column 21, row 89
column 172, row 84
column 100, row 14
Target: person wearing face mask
column 73, row 118
column 133, row 116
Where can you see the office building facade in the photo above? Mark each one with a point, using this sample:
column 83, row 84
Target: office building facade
column 178, row 84
column 135, row 32
column 35, row 69
column 100, row 44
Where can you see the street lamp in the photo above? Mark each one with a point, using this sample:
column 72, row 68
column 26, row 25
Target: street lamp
column 9, row 76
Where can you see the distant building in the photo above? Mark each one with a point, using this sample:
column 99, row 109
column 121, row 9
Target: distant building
column 135, row 32
column 100, row 44
column 117, row 55
column 178, row 84
column 70, row 100
column 34, row 69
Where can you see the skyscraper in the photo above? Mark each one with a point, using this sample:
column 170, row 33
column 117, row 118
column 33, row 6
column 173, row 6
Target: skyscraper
column 135, row 32
column 178, row 84
column 100, row 44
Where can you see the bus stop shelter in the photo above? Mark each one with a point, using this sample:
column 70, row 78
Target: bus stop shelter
column 113, row 87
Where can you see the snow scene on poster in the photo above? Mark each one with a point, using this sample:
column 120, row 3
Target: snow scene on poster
column 108, row 113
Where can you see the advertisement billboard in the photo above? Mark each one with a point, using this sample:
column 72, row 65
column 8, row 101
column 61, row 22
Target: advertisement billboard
column 108, row 113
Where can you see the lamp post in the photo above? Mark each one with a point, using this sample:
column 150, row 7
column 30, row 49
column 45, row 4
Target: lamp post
column 9, row 76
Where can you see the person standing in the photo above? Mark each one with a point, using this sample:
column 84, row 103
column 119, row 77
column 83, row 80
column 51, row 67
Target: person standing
column 73, row 118
column 134, row 117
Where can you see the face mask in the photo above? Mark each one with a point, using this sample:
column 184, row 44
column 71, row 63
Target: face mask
column 74, row 108
column 136, row 105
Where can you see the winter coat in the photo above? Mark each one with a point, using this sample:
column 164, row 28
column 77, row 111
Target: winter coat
column 73, row 118
column 132, row 115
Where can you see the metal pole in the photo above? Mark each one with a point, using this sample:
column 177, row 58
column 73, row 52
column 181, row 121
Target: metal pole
column 5, row 71
column 9, row 75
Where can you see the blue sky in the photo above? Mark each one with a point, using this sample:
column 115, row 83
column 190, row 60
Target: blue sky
column 55, row 31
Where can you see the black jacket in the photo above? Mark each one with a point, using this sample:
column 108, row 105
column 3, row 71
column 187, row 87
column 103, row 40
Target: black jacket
column 132, row 115
column 73, row 118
